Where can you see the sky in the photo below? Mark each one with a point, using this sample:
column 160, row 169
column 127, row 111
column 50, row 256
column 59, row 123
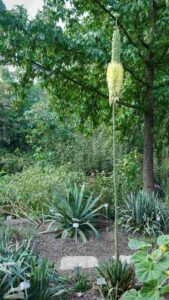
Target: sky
column 31, row 5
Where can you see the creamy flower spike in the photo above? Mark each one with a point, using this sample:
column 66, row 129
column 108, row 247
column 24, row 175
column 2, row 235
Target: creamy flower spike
column 115, row 71
column 115, row 75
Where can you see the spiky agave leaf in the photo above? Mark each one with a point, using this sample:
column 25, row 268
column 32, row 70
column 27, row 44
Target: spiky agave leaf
column 115, row 77
column 167, row 3
column 119, row 277
column 76, row 208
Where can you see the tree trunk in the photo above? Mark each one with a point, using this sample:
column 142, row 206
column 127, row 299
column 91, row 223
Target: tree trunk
column 148, row 166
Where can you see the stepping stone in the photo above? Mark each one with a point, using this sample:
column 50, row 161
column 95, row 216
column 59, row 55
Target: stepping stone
column 72, row 262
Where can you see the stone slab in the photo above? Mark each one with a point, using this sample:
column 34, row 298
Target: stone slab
column 71, row 262
column 85, row 262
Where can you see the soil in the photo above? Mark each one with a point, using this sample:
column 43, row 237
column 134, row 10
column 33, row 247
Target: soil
column 88, row 295
column 103, row 248
column 48, row 245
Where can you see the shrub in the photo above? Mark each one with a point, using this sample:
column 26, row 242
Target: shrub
column 36, row 185
column 92, row 152
column 152, row 269
column 145, row 214
column 75, row 213
column 101, row 184
column 118, row 277
column 11, row 163
column 129, row 172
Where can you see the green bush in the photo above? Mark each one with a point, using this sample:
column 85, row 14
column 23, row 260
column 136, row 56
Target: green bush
column 76, row 208
column 129, row 172
column 93, row 152
column 117, row 276
column 152, row 269
column 36, row 185
column 144, row 214
column 11, row 163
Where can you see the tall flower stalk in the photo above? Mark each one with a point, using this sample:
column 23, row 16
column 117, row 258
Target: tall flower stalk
column 115, row 77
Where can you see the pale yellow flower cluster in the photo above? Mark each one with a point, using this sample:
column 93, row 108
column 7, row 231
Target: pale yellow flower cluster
column 115, row 75
column 115, row 71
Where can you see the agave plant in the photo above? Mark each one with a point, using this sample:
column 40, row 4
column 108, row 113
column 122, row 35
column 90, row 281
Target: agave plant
column 44, row 281
column 145, row 214
column 18, row 264
column 117, row 277
column 14, row 263
column 76, row 214
column 6, row 238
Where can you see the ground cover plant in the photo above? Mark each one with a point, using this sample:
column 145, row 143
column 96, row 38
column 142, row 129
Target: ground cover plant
column 152, row 269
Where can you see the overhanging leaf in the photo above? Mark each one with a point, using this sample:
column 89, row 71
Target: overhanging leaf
column 163, row 240
column 137, row 245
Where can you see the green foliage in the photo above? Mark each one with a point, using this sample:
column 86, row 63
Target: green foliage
column 144, row 214
column 151, row 270
column 101, row 184
column 11, row 163
column 130, row 172
column 70, row 60
column 2, row 5
column 7, row 236
column 18, row 264
column 76, row 208
column 44, row 281
column 14, row 261
column 81, row 282
column 36, row 185
column 119, row 277
column 135, row 244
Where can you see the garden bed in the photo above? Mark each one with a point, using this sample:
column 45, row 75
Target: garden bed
column 55, row 248
column 48, row 245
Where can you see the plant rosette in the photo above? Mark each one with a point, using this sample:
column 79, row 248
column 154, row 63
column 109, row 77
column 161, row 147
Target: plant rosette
column 151, row 268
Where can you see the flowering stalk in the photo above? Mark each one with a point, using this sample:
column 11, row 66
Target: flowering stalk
column 115, row 76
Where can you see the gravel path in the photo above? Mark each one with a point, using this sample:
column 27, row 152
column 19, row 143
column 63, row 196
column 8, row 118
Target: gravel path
column 55, row 248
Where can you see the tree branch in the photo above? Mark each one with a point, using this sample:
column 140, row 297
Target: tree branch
column 120, row 25
column 135, row 76
column 162, row 55
column 85, row 86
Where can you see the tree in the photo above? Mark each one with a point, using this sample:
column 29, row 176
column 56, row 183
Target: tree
column 71, row 60
column 2, row 5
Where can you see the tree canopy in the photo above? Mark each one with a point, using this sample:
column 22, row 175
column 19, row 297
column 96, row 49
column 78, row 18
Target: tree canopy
column 68, row 47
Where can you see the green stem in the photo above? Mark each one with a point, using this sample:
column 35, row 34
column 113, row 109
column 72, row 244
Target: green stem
column 114, row 186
